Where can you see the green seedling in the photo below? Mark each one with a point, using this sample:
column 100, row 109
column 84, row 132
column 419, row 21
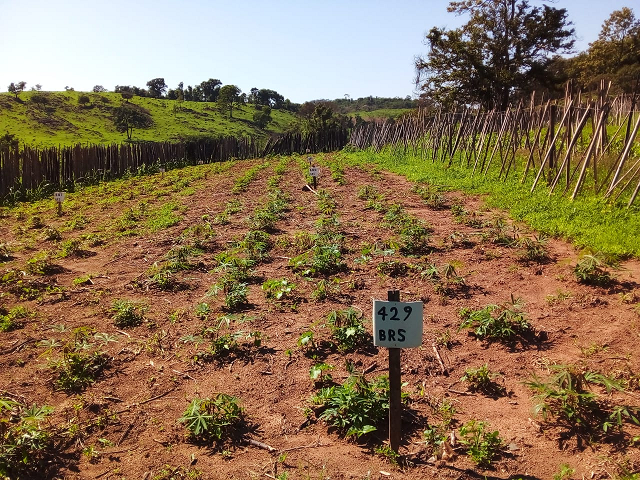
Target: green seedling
column 483, row 446
column 347, row 329
column 481, row 379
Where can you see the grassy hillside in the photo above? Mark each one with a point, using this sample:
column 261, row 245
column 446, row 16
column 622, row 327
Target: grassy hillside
column 58, row 118
column 381, row 113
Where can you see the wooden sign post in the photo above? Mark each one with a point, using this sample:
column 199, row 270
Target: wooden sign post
column 396, row 325
column 59, row 198
column 314, row 172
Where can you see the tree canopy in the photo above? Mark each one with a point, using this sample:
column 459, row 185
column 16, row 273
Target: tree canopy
column 502, row 51
column 16, row 88
column 615, row 55
column 129, row 116
column 227, row 98
column 156, row 87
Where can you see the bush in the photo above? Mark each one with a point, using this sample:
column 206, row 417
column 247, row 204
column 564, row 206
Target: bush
column 212, row 419
column 355, row 408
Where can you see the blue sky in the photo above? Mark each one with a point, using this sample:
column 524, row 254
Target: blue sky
column 305, row 50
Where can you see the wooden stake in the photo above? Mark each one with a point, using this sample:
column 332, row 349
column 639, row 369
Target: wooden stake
column 395, row 387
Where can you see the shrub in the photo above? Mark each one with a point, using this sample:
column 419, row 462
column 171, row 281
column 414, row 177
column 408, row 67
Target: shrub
column 567, row 398
column 347, row 329
column 355, row 408
column 24, row 442
column 212, row 419
column 591, row 270
column 482, row 446
column 497, row 322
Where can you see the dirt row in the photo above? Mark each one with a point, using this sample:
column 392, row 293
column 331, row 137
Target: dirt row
column 125, row 425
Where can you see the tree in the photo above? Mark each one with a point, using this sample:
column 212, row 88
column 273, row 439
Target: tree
column 501, row 52
column 227, row 97
column 129, row 116
column 615, row 55
column 156, row 87
column 210, row 89
column 17, row 89
column 262, row 117
column 99, row 89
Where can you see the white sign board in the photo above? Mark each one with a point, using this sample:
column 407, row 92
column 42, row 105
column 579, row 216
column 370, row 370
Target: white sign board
column 58, row 196
column 397, row 324
column 314, row 171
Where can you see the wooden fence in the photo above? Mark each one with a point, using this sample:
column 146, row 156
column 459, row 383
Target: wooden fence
column 572, row 145
column 29, row 169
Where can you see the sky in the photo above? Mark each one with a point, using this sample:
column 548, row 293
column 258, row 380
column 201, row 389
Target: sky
column 303, row 49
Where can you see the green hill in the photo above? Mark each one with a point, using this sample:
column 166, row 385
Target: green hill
column 67, row 118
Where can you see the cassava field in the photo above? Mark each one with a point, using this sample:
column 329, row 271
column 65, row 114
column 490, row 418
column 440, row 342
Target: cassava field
column 215, row 322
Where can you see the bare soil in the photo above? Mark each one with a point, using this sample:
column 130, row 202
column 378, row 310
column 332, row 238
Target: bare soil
column 125, row 424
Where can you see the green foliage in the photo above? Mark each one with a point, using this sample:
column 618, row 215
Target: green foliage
column 77, row 370
column 591, row 270
column 467, row 65
column 567, row 397
column 213, row 419
column 347, row 329
column 326, row 288
column 11, row 320
column 482, row 445
column 565, row 472
column 355, row 408
column 127, row 313
column 413, row 233
column 25, row 440
column 393, row 268
column 533, row 249
column 278, row 289
column 497, row 322
column 130, row 116
column 431, row 196
column 481, row 379
column 41, row 264
column 319, row 373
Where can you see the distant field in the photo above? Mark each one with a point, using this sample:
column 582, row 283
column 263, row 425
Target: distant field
column 381, row 113
column 57, row 118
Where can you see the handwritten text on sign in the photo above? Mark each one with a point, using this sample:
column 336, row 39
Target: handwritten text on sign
column 397, row 324
column 314, row 171
column 59, row 196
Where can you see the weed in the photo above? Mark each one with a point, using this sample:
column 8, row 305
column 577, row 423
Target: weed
column 567, row 398
column 326, row 288
column 41, row 264
column 202, row 311
column 497, row 322
column 69, row 248
column 212, row 419
column 591, row 270
column 127, row 313
column 319, row 373
column 482, row 445
column 77, row 370
column 385, row 451
column 306, row 342
column 5, row 253
column 235, row 293
column 11, row 320
column 533, row 249
column 355, row 408
column 326, row 204
column 481, row 379
column 24, row 440
column 347, row 329
column 431, row 196
column 565, row 472
column 393, row 268
column 560, row 296
column 278, row 289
